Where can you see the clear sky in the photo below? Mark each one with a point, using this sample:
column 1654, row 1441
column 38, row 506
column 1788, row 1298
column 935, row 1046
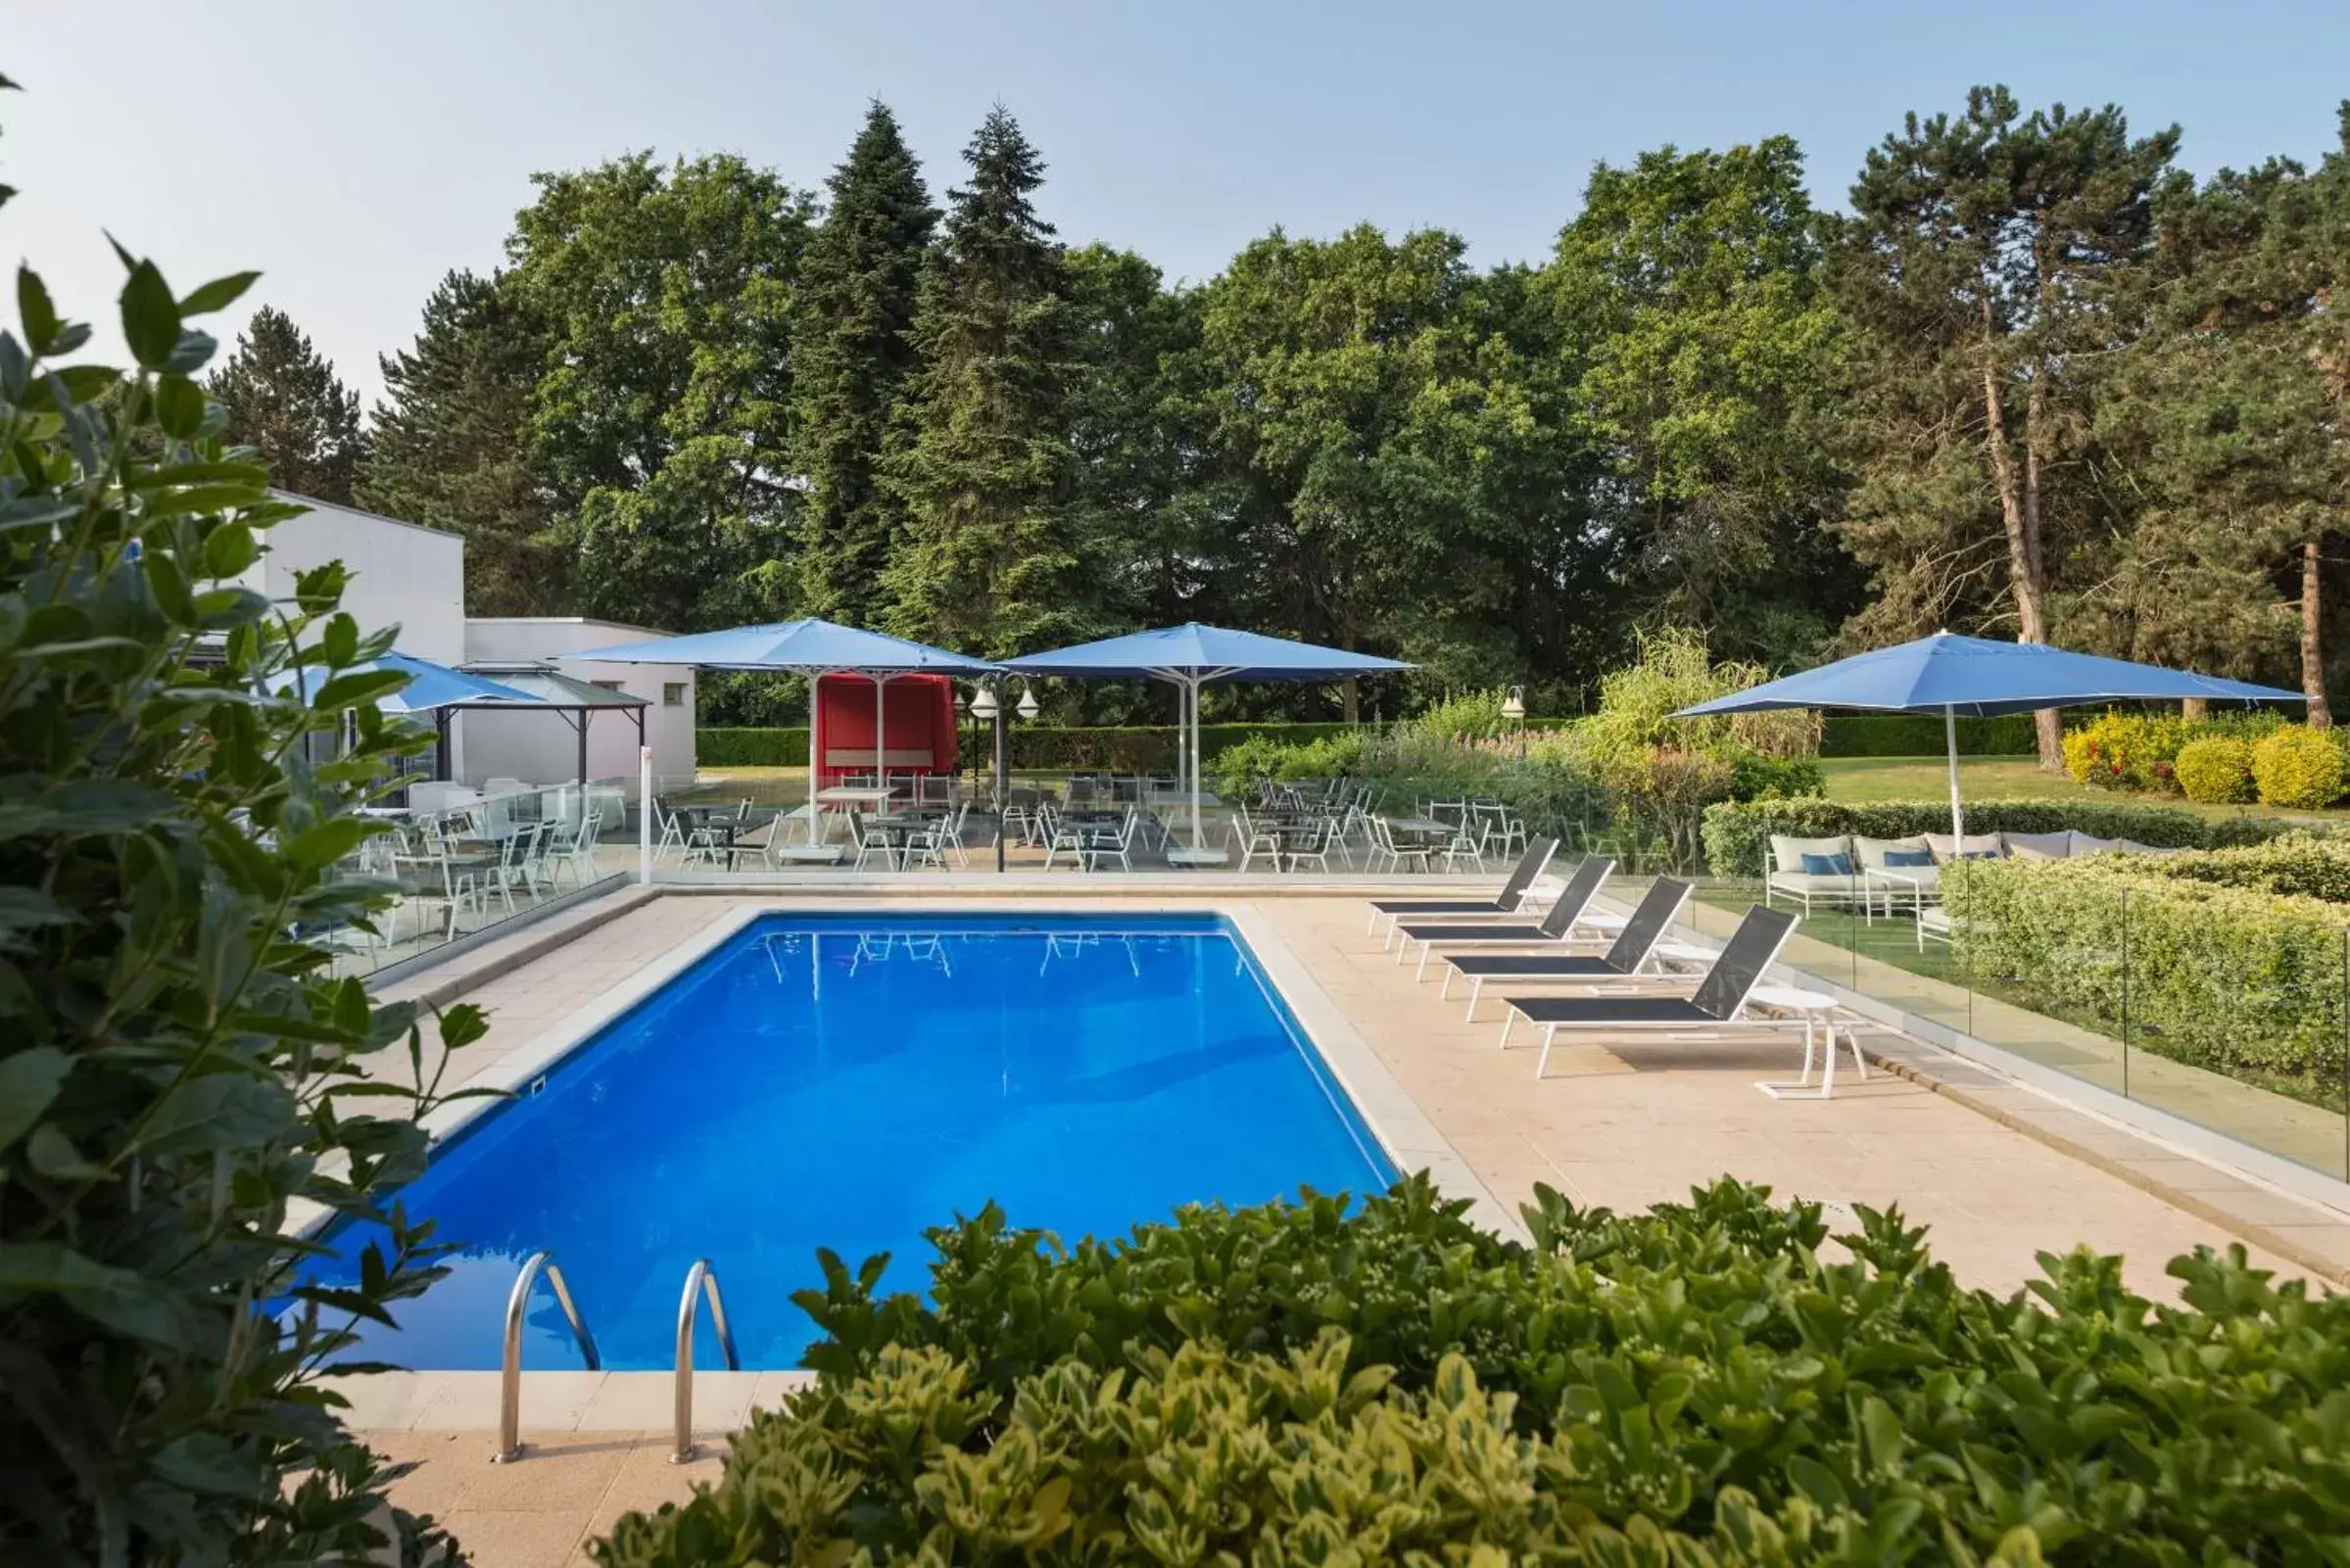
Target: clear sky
column 355, row 152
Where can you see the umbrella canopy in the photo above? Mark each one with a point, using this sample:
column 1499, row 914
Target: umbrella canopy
column 1192, row 655
column 430, row 686
column 1205, row 652
column 807, row 647
column 1979, row 678
column 811, row 647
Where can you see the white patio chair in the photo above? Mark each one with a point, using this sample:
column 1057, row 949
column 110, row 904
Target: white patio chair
column 1103, row 844
column 871, row 841
column 1254, row 838
column 1060, row 836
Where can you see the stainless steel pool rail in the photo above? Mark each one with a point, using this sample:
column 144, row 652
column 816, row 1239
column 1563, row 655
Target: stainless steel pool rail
column 702, row 1281
column 509, row 1393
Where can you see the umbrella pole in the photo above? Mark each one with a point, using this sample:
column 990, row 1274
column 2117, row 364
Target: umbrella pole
column 1192, row 692
column 1957, row 813
column 880, row 774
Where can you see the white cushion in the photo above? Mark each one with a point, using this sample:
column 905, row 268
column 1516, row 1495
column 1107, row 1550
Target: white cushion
column 1946, row 848
column 2039, row 846
column 1872, row 851
column 2086, row 844
column 1805, row 882
column 2135, row 848
column 1787, row 854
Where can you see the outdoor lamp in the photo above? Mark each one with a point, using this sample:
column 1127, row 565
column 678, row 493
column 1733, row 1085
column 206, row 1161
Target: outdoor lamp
column 1027, row 708
column 1513, row 706
column 982, row 704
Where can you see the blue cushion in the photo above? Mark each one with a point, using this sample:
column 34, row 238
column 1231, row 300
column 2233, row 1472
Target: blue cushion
column 1836, row 864
column 1980, row 855
column 1909, row 857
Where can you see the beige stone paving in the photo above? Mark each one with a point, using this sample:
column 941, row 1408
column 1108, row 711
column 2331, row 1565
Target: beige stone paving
column 540, row 1511
column 1627, row 1123
column 1613, row 1123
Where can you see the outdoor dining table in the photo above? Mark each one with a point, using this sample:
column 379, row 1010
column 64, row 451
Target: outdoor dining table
column 841, row 799
column 724, row 823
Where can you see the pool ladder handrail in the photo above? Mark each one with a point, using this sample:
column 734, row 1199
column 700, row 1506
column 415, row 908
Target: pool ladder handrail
column 702, row 1281
column 509, row 1393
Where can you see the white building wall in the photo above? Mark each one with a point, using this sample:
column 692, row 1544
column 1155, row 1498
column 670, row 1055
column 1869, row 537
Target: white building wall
column 542, row 747
column 401, row 574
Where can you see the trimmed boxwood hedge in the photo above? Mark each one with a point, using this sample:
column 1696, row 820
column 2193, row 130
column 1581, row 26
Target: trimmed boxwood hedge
column 2234, row 979
column 1693, row 1385
column 1921, row 735
column 776, row 746
column 1738, row 834
column 1128, row 747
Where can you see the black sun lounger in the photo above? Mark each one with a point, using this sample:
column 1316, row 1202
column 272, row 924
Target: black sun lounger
column 1513, row 893
column 1573, row 899
column 1628, row 956
column 1720, row 996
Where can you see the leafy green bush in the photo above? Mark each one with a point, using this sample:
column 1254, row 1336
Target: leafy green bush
column 2297, row 767
column 2242, row 982
column 1921, row 735
column 1264, row 756
column 1754, row 777
column 2215, row 771
column 1695, row 1385
column 1738, row 833
column 179, row 1066
column 782, row 747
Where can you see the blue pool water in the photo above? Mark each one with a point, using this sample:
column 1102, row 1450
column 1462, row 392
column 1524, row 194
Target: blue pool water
column 847, row 1081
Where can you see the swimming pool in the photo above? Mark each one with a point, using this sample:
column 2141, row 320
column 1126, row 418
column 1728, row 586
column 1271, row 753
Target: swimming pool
column 849, row 1081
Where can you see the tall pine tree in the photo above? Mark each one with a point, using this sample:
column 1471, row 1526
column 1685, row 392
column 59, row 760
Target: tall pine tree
column 1993, row 261
column 991, row 562
column 448, row 449
column 285, row 402
column 852, row 352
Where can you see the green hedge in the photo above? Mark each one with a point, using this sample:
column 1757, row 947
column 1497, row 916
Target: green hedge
column 2241, row 981
column 2298, row 865
column 1128, row 748
column 1697, row 1385
column 781, row 746
column 1738, row 833
column 1921, row 735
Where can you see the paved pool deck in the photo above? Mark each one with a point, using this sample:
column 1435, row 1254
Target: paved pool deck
column 1997, row 1172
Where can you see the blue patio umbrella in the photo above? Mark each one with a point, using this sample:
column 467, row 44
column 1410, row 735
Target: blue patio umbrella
column 810, row 647
column 1192, row 655
column 433, row 688
column 429, row 686
column 1979, row 678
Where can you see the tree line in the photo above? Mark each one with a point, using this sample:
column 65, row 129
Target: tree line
column 2039, row 381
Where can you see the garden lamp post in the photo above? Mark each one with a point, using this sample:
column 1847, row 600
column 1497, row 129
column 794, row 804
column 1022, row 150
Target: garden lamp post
column 1027, row 702
column 1513, row 708
column 986, row 707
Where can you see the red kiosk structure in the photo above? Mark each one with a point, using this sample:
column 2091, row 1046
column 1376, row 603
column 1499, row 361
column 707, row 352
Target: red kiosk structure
column 915, row 714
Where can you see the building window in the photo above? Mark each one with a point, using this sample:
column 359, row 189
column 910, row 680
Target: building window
column 673, row 694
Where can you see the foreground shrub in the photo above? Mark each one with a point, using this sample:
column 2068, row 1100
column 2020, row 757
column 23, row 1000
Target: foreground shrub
column 2297, row 767
column 1694, row 1385
column 2215, row 771
column 1738, row 833
column 180, row 1066
column 2231, row 979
